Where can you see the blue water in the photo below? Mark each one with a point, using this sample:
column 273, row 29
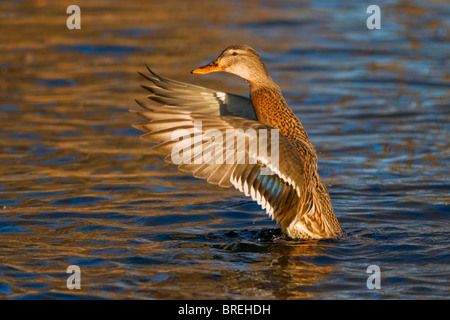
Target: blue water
column 78, row 187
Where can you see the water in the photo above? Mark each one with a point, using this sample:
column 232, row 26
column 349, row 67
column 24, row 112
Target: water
column 77, row 186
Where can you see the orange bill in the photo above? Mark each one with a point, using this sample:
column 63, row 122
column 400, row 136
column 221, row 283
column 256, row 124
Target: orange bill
column 212, row 67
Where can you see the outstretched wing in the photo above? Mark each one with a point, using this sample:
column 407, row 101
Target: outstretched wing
column 190, row 128
column 197, row 99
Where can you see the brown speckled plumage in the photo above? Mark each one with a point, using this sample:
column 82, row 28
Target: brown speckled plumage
column 295, row 195
column 271, row 109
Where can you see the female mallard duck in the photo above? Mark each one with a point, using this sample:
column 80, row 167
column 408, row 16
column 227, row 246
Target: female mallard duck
column 294, row 194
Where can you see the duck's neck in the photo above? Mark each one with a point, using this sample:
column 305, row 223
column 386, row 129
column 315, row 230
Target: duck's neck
column 271, row 109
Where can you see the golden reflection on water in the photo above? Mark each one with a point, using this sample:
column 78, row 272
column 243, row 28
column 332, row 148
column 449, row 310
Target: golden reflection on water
column 77, row 186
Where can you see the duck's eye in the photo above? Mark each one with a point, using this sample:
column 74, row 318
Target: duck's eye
column 234, row 53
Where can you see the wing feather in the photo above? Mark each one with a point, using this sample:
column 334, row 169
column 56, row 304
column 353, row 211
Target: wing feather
column 196, row 98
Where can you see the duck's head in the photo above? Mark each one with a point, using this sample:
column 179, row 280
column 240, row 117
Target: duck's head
column 241, row 60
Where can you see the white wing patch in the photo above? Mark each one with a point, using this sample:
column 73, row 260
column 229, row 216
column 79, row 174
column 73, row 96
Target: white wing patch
column 221, row 96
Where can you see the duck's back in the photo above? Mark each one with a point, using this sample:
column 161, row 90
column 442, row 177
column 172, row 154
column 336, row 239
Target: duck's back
column 271, row 108
column 316, row 210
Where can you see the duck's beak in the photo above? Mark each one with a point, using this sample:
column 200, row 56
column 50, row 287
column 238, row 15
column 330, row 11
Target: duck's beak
column 211, row 67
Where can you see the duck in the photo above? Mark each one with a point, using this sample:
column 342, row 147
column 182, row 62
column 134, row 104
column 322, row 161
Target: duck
column 289, row 189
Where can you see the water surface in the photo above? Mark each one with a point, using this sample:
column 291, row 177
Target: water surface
column 77, row 186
